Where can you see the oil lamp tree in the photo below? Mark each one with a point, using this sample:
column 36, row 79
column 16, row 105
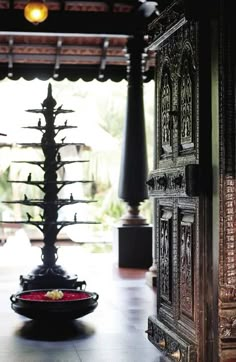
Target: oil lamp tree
column 49, row 274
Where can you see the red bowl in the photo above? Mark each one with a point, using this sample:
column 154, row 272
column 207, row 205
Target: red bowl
column 35, row 305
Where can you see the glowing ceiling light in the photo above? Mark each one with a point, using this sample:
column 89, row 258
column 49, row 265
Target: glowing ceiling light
column 36, row 11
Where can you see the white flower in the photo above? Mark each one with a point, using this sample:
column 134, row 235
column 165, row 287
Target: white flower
column 55, row 294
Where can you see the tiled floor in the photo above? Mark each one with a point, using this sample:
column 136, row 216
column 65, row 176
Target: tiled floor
column 114, row 332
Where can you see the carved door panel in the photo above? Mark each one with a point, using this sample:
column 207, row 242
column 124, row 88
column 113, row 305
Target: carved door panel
column 178, row 329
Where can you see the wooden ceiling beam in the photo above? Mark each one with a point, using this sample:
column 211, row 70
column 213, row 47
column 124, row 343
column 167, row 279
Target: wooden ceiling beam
column 22, row 48
column 11, row 4
column 69, row 71
column 105, row 46
column 68, row 59
column 10, row 57
column 73, row 22
column 62, row 5
column 57, row 60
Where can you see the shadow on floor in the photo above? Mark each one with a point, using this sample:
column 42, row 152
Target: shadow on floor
column 55, row 331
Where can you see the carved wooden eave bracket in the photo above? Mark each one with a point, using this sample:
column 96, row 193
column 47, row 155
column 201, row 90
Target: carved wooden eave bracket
column 171, row 19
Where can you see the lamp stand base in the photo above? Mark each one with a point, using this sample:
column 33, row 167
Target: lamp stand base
column 54, row 277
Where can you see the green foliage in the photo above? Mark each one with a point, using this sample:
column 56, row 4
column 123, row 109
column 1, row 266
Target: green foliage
column 112, row 110
column 5, row 187
column 109, row 206
column 97, row 247
column 108, row 209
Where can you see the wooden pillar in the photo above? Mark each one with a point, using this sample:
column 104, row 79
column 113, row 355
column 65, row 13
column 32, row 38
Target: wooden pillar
column 133, row 172
column 134, row 236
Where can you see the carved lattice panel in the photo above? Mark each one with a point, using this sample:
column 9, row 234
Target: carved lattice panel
column 186, row 101
column 166, row 135
column 186, row 267
column 165, row 255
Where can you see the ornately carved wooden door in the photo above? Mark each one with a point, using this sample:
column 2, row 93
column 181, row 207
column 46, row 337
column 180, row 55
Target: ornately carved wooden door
column 180, row 187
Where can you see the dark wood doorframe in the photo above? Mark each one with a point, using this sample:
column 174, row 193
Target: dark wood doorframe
column 205, row 160
column 213, row 297
column 227, row 183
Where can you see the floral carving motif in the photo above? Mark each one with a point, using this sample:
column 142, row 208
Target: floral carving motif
column 186, row 272
column 227, row 327
column 165, row 183
column 186, row 104
column 165, row 103
column 168, row 18
column 165, row 272
column 227, row 293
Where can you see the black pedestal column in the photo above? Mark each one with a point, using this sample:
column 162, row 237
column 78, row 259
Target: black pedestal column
column 134, row 236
